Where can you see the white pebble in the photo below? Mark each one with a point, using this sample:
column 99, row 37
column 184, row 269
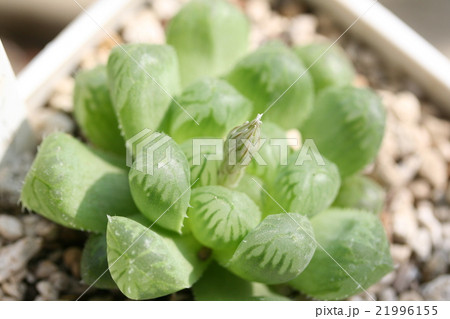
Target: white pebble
column 10, row 227
column 427, row 219
column 144, row 28
column 303, row 29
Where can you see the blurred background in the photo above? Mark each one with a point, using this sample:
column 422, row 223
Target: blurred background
column 26, row 26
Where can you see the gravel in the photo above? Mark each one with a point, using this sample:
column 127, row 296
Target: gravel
column 41, row 261
column 10, row 227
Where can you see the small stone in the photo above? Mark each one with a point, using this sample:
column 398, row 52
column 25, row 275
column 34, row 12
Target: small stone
column 10, row 227
column 60, row 281
column 14, row 289
column 400, row 253
column 404, row 220
column 274, row 27
column 302, row 29
column 388, row 279
column 442, row 213
column 434, row 169
column 410, row 295
column 407, row 108
column 437, row 127
column 144, row 28
column 427, row 218
column 406, row 275
column 290, row 8
column 356, row 298
column 258, row 10
column 12, row 175
column 72, row 260
column 361, row 81
column 437, row 289
column 388, row 294
column 29, row 223
column 165, row 9
column 100, row 55
column 14, row 257
column 47, row 230
column 45, row 268
column 420, row 189
column 19, row 276
column 436, row 265
column 45, row 121
column 47, row 291
column 30, row 278
column 62, row 97
column 421, row 244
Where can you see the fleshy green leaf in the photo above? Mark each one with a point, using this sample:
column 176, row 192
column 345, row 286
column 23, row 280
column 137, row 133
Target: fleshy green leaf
column 356, row 240
column 220, row 218
column 329, row 67
column 161, row 185
column 264, row 75
column 142, row 77
column 94, row 111
column 270, row 152
column 248, row 185
column 305, row 187
column 76, row 186
column 209, row 37
column 94, row 263
column 276, row 251
column 218, row 284
column 214, row 104
column 203, row 170
column 362, row 193
column 149, row 263
column 347, row 125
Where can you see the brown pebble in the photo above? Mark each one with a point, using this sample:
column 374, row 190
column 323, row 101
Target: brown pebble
column 72, row 259
column 60, row 281
column 45, row 269
column 410, row 295
column 46, row 290
column 420, row 189
column 14, row 289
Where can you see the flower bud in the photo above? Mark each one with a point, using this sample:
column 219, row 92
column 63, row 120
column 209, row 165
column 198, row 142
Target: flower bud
column 241, row 143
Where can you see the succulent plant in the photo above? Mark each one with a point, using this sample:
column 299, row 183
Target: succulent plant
column 192, row 187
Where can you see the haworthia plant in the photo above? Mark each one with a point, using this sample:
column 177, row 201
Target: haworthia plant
column 218, row 284
column 220, row 218
column 272, row 152
column 357, row 243
column 209, row 37
column 203, row 168
column 329, row 65
column 362, row 193
column 276, row 251
column 76, row 186
column 143, row 78
column 264, row 77
column 160, row 185
column 211, row 108
column 94, row 111
column 94, row 263
column 148, row 264
column 352, row 135
column 249, row 186
column 305, row 187
column 232, row 192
